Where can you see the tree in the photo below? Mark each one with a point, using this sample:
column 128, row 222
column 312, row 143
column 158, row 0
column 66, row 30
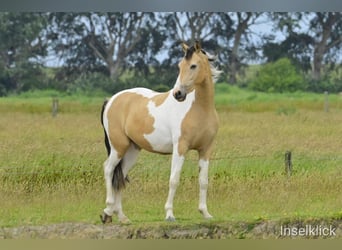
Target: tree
column 192, row 26
column 108, row 42
column 296, row 47
column 243, row 22
column 321, row 32
column 22, row 47
column 327, row 28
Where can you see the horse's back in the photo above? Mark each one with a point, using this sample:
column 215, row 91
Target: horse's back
column 129, row 101
column 128, row 114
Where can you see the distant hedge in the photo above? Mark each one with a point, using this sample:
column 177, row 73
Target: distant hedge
column 280, row 76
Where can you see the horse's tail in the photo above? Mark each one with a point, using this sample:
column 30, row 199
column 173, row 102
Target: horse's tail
column 118, row 181
column 105, row 132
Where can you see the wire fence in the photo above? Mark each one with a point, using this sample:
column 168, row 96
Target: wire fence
column 279, row 160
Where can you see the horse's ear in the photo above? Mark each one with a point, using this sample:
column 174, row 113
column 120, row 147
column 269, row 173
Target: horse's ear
column 185, row 47
column 197, row 46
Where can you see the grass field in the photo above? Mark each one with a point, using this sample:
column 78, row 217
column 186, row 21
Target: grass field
column 51, row 168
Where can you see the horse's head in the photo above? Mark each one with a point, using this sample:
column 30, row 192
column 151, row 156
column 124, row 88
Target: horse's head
column 194, row 70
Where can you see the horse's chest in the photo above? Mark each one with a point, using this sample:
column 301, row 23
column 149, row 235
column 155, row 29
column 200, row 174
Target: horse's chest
column 199, row 132
column 168, row 119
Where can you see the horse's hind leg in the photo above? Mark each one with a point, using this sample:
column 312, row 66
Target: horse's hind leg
column 109, row 166
column 128, row 161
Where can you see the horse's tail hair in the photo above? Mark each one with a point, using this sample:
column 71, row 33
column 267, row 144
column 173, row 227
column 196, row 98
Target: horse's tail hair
column 119, row 180
column 105, row 132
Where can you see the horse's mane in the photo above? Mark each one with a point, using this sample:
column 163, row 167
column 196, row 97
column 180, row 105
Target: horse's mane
column 215, row 72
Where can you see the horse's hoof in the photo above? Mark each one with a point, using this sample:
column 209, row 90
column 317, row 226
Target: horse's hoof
column 170, row 219
column 106, row 218
column 125, row 221
column 208, row 217
column 205, row 214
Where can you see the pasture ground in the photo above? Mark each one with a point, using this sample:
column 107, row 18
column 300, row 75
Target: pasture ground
column 51, row 169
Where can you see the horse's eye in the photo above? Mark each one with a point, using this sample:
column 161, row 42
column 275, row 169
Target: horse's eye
column 193, row 66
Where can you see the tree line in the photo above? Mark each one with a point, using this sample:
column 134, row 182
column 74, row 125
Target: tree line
column 111, row 51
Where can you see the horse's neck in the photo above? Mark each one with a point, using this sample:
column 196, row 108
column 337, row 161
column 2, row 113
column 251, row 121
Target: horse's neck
column 205, row 95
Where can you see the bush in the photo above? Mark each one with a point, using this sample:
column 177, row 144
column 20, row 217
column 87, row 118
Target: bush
column 280, row 76
column 331, row 82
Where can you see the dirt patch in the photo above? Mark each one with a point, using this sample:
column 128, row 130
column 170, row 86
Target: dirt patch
column 259, row 230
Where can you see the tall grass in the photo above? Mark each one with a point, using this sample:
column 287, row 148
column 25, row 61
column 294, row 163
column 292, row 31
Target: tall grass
column 51, row 168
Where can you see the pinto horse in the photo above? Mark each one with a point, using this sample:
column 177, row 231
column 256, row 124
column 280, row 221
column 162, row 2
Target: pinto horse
column 173, row 122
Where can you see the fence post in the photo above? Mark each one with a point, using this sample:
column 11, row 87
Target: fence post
column 326, row 101
column 288, row 163
column 54, row 110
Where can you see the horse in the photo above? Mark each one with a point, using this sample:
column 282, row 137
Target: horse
column 172, row 122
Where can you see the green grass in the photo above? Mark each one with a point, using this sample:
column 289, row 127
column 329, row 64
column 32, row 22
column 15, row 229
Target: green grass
column 227, row 97
column 51, row 168
column 40, row 101
column 237, row 99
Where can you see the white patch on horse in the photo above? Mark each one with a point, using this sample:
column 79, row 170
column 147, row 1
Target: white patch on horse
column 167, row 124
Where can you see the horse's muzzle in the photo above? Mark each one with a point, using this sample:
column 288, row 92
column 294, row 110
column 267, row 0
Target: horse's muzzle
column 179, row 95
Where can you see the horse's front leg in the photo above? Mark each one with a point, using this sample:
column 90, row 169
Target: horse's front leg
column 203, row 185
column 176, row 168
